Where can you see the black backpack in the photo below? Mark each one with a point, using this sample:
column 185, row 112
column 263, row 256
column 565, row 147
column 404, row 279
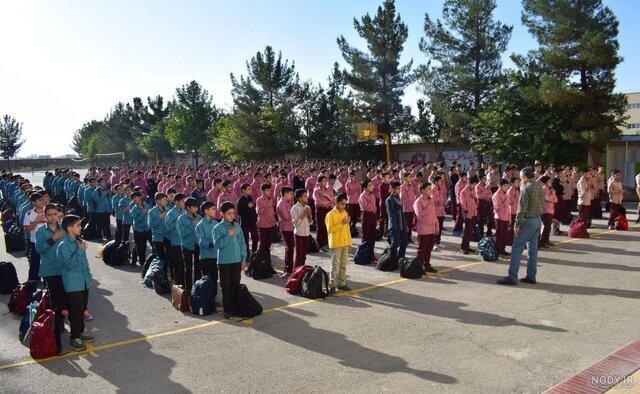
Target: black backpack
column 260, row 266
column 487, row 249
column 107, row 251
column 161, row 284
column 364, row 253
column 120, row 255
column 313, row 281
column 246, row 305
column 388, row 261
column 8, row 278
column 313, row 245
column 147, row 264
column 477, row 234
column 410, row 268
column 354, row 232
column 202, row 297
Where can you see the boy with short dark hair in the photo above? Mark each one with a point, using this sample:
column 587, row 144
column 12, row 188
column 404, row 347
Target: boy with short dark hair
column 204, row 233
column 337, row 222
column 285, row 225
column 301, row 217
column 266, row 219
column 248, row 218
column 141, row 233
column 175, row 251
column 186, row 225
column 397, row 221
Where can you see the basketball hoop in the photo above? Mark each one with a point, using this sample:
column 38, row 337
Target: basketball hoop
column 367, row 132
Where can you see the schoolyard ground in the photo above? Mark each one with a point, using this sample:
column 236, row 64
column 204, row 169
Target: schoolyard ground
column 456, row 331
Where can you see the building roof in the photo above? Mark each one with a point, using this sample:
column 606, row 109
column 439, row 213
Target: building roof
column 627, row 138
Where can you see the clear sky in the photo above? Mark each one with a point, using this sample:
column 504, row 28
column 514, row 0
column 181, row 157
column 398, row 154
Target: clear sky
column 66, row 62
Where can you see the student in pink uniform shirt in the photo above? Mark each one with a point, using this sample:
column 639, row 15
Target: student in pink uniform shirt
column 461, row 184
column 237, row 185
column 439, row 197
column 469, row 205
column 266, row 219
column 208, row 181
column 226, row 195
column 353, row 189
column 377, row 181
column 548, row 210
column 407, row 198
column 256, row 185
column 215, row 192
column 616, row 192
column 427, row 226
column 285, row 226
column 502, row 215
column 324, row 202
column 368, row 206
column 483, row 193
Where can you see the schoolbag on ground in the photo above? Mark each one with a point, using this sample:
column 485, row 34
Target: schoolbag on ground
column 107, row 251
column 354, row 232
column 313, row 281
column 410, row 268
column 202, row 297
column 14, row 239
column 487, row 249
column 120, row 255
column 578, row 229
column 42, row 342
column 621, row 223
column 260, row 266
column 388, row 261
column 21, row 296
column 364, row 253
column 30, row 315
column 313, row 245
column 8, row 278
column 246, row 305
column 147, row 264
column 294, row 283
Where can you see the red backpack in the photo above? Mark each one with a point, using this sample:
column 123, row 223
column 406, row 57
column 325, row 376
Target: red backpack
column 20, row 298
column 578, row 229
column 621, row 223
column 294, row 284
column 42, row 343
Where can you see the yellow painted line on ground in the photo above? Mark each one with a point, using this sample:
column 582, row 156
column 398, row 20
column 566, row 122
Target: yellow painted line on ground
column 353, row 293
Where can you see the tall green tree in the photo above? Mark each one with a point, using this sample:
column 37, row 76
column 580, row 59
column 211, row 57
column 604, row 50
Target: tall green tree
column 192, row 116
column 464, row 52
column 10, row 137
column 155, row 144
column 265, row 104
column 376, row 74
column 579, row 54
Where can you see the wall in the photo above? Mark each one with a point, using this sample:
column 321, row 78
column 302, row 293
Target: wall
column 625, row 158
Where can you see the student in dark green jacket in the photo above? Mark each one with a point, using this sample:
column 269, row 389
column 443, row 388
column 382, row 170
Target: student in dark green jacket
column 76, row 278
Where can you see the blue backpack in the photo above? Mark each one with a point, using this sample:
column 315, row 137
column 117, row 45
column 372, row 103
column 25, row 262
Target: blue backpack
column 155, row 267
column 27, row 320
column 487, row 249
column 202, row 297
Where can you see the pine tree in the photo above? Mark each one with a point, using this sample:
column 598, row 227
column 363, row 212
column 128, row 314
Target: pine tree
column 376, row 75
column 10, row 137
column 465, row 49
column 578, row 54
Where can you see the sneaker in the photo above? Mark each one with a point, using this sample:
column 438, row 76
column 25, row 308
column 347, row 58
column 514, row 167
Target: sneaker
column 87, row 316
column 529, row 281
column 430, row 269
column 332, row 290
column 463, row 251
column 77, row 345
column 344, row 288
column 285, row 275
column 86, row 337
column 506, row 281
column 435, row 248
column 228, row 315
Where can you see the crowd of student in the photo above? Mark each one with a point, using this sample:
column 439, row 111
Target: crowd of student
column 210, row 220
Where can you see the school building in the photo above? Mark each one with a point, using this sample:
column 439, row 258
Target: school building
column 623, row 152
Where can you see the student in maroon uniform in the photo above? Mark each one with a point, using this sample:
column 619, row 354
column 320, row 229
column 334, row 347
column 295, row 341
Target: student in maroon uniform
column 266, row 219
column 353, row 190
column 248, row 219
column 285, row 225
column 324, row 200
column 385, row 192
column 367, row 204
column 426, row 225
column 469, row 211
column 502, row 215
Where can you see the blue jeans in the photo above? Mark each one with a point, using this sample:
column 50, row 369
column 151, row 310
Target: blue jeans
column 529, row 234
column 398, row 238
column 34, row 263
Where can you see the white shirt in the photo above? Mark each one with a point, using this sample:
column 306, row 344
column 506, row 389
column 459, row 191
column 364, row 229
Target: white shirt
column 29, row 218
column 300, row 220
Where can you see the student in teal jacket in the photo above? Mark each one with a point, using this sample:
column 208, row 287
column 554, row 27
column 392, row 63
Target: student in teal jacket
column 102, row 201
column 155, row 220
column 231, row 252
column 76, row 278
column 186, row 225
column 124, row 206
column 141, row 233
column 175, row 251
column 48, row 237
column 115, row 204
column 206, row 249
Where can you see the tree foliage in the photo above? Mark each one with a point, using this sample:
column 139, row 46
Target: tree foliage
column 10, row 137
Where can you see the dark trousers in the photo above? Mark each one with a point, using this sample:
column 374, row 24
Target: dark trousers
column 502, row 226
column 162, row 250
column 102, row 225
column 322, row 237
column 369, row 226
column 510, row 231
column 57, row 297
column 469, row 226
column 485, row 215
column 312, row 204
column 354, row 213
column 266, row 238
column 289, row 246
column 118, row 235
column 398, row 241
column 409, row 217
column 253, row 230
column 209, row 268
column 439, row 235
column 584, row 212
column 140, row 238
column 547, row 220
column 454, row 208
column 425, row 246
column 377, row 209
column 177, row 265
column 565, row 206
column 126, row 230
column 192, row 267
column 34, row 262
column 229, row 279
column 302, row 247
column 459, row 219
column 77, row 304
column 614, row 211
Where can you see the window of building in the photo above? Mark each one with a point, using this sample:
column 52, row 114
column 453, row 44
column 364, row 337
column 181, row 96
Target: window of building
column 633, row 126
column 633, row 106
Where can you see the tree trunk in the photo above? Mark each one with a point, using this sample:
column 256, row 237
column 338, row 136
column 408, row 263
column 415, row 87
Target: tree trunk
column 595, row 157
column 195, row 156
